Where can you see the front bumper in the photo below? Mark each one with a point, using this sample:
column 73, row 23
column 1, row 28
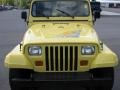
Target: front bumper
column 62, row 80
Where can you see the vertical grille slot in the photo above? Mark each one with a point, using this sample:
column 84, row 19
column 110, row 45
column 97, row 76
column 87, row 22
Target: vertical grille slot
column 56, row 58
column 66, row 58
column 51, row 58
column 61, row 58
column 76, row 58
column 47, row 58
column 71, row 58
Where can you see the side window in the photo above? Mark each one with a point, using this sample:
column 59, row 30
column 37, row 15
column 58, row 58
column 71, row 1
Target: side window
column 34, row 10
column 37, row 9
column 86, row 9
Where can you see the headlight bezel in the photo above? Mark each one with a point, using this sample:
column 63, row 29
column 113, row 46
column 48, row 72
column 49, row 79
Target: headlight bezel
column 87, row 49
column 26, row 50
column 32, row 53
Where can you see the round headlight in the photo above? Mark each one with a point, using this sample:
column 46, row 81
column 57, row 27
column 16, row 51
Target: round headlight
column 35, row 50
column 87, row 50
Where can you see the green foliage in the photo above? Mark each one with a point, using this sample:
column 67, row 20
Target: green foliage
column 0, row 2
column 11, row 2
column 19, row 3
column 7, row 2
column 25, row 3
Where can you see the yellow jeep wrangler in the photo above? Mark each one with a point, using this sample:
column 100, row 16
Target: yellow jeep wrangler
column 60, row 49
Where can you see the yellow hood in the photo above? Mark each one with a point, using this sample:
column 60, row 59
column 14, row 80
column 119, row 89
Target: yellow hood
column 60, row 32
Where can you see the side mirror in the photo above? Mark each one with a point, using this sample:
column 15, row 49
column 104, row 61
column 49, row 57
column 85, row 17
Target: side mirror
column 24, row 15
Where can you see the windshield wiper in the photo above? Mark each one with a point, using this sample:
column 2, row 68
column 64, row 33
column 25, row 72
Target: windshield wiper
column 65, row 13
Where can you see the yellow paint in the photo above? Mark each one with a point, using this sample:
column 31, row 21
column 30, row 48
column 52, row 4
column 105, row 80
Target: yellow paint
column 15, row 59
column 60, row 33
column 105, row 59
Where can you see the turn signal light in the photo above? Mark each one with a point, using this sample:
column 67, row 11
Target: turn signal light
column 83, row 62
column 39, row 63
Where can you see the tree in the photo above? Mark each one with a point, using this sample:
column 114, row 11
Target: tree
column 11, row 2
column 18, row 3
column 0, row 2
column 4, row 2
column 7, row 2
column 25, row 3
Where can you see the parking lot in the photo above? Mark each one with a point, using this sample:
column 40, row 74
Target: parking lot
column 12, row 29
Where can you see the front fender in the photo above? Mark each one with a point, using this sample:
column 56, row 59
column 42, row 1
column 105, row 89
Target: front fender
column 15, row 59
column 105, row 58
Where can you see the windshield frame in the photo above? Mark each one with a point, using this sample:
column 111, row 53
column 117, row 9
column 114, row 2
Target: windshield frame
column 89, row 12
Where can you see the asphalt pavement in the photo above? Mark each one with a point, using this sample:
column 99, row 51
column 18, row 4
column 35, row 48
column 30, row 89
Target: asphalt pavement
column 116, row 10
column 12, row 29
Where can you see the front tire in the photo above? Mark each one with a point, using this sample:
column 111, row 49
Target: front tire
column 103, row 73
column 18, row 74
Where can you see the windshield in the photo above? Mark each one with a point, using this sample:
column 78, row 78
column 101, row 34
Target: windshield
column 75, row 8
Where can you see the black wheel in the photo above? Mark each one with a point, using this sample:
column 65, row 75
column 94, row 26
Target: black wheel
column 102, row 73
column 18, row 74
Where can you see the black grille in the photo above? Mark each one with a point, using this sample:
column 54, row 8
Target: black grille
column 61, row 58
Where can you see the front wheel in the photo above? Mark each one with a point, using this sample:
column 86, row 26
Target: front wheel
column 18, row 74
column 103, row 73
